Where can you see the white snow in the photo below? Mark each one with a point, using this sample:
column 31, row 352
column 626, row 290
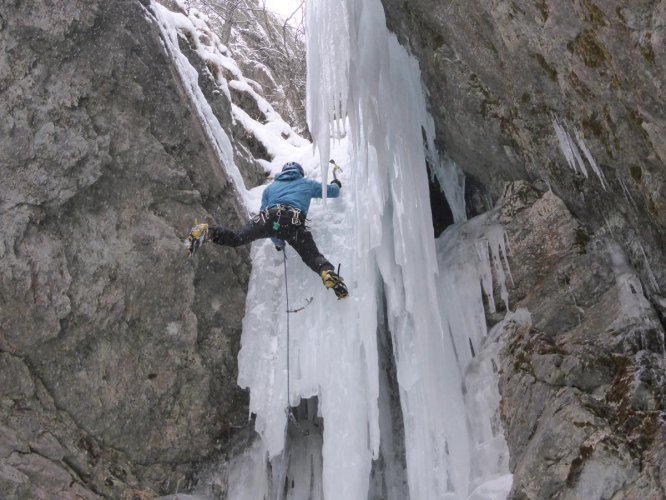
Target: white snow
column 171, row 24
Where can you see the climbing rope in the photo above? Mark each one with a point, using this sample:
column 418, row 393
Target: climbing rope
column 290, row 415
column 286, row 293
column 280, row 485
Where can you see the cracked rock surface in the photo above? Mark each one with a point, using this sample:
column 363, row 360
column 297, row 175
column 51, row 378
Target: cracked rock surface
column 117, row 369
column 582, row 380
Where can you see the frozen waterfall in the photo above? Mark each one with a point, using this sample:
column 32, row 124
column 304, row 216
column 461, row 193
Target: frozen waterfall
column 393, row 390
column 416, row 304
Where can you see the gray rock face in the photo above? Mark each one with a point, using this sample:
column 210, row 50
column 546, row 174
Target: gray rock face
column 498, row 74
column 582, row 383
column 118, row 368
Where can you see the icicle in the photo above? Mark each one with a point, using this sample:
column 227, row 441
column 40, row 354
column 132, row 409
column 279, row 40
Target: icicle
column 490, row 455
column 569, row 148
column 648, row 269
column 591, row 160
column 327, row 73
column 627, row 193
column 485, row 268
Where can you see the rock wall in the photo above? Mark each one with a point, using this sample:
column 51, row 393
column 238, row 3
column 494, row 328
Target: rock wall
column 499, row 73
column 583, row 377
column 582, row 380
column 118, row 352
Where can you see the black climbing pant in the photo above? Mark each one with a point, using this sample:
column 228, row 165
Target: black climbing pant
column 282, row 223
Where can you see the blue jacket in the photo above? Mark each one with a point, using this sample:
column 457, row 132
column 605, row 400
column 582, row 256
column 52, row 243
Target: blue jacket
column 289, row 188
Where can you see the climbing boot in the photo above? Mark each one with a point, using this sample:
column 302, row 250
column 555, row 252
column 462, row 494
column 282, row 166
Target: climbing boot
column 332, row 280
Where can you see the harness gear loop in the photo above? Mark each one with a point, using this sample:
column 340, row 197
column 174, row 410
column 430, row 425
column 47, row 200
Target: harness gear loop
column 285, row 215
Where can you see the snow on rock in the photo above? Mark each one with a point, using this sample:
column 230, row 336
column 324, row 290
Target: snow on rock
column 280, row 140
column 171, row 24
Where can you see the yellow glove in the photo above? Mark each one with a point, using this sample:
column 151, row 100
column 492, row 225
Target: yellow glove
column 197, row 237
column 198, row 231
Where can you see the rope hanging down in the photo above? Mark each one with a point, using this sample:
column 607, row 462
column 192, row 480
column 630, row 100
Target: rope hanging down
column 281, row 480
column 290, row 416
column 286, row 293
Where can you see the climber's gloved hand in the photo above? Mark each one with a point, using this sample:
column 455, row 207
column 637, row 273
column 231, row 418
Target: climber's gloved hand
column 197, row 237
column 198, row 231
column 336, row 181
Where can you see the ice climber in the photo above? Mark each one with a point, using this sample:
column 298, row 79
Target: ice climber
column 284, row 206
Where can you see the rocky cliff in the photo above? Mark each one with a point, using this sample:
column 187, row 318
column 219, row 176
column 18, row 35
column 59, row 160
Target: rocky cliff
column 582, row 371
column 118, row 353
column 566, row 97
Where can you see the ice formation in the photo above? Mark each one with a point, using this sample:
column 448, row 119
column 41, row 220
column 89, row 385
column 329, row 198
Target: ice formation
column 572, row 152
column 362, row 83
column 415, row 303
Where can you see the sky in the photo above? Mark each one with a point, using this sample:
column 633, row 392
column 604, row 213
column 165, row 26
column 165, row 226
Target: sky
column 283, row 8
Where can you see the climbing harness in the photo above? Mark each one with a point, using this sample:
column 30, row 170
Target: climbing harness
column 283, row 216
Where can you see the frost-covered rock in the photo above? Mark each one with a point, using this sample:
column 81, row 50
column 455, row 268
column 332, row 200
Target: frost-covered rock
column 269, row 51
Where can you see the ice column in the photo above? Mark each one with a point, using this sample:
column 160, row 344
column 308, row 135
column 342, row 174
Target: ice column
column 391, row 218
column 361, row 79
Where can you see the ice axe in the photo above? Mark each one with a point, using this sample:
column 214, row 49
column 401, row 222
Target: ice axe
column 336, row 169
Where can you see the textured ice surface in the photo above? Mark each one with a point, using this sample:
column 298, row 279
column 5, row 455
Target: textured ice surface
column 381, row 230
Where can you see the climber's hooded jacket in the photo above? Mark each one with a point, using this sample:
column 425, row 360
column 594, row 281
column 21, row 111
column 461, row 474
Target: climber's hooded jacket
column 291, row 188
